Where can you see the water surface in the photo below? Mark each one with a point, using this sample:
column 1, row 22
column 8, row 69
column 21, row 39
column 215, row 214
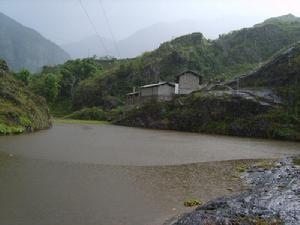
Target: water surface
column 110, row 175
column 114, row 145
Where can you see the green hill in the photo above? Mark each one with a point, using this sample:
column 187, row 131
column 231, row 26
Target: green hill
column 24, row 48
column 281, row 76
column 265, row 103
column 231, row 55
column 20, row 110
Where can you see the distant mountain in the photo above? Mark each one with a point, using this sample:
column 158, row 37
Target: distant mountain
column 23, row 47
column 146, row 39
column 89, row 47
column 150, row 38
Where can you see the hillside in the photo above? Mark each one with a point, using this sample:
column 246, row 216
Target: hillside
column 278, row 77
column 252, row 109
column 20, row 110
column 231, row 55
column 23, row 47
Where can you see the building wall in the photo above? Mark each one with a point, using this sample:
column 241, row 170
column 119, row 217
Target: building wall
column 188, row 83
column 161, row 93
column 148, row 92
column 166, row 90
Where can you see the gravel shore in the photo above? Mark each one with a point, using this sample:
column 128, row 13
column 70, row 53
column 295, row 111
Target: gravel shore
column 273, row 198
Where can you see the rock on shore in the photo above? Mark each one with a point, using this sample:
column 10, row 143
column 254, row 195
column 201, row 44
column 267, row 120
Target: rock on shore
column 273, row 198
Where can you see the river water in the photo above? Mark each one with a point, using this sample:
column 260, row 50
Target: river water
column 111, row 175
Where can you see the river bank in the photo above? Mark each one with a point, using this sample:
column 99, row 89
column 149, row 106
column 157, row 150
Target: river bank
column 50, row 192
column 273, row 198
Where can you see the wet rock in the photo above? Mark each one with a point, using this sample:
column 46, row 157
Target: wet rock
column 273, row 198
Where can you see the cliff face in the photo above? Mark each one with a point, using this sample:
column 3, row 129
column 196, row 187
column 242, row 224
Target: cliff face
column 20, row 110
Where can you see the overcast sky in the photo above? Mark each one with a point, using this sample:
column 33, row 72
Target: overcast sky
column 64, row 21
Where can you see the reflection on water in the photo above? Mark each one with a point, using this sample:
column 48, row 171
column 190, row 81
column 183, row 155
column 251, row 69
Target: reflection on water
column 63, row 177
column 115, row 145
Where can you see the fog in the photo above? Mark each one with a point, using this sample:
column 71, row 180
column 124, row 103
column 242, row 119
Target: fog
column 64, row 21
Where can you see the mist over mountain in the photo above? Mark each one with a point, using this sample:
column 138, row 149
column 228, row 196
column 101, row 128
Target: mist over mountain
column 23, row 47
column 143, row 40
column 90, row 46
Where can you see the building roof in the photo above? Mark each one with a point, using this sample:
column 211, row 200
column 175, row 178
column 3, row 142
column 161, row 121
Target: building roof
column 158, row 84
column 133, row 93
column 189, row 71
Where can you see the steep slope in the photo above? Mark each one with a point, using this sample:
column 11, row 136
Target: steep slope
column 281, row 76
column 20, row 110
column 257, row 44
column 23, row 47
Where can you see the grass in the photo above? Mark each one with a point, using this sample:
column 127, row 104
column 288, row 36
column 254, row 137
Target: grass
column 267, row 165
column 241, row 169
column 192, row 203
column 70, row 121
column 296, row 161
column 258, row 221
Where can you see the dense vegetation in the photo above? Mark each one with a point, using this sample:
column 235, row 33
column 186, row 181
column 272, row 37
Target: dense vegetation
column 88, row 114
column 20, row 110
column 23, row 47
column 103, row 83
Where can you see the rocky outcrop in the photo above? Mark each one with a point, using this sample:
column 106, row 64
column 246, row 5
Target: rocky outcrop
column 219, row 112
column 281, row 75
column 273, row 198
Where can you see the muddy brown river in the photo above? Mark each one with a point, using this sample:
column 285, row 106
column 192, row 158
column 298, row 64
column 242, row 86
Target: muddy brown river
column 111, row 175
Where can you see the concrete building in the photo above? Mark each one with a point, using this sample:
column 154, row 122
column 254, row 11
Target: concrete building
column 162, row 91
column 133, row 98
column 189, row 81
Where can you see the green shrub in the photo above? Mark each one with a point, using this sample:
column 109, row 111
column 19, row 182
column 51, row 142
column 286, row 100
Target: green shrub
column 88, row 114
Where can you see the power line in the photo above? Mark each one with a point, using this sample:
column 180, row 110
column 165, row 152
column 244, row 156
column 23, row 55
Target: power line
column 94, row 27
column 109, row 27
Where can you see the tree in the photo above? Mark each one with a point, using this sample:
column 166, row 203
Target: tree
column 46, row 85
column 51, row 87
column 24, row 76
